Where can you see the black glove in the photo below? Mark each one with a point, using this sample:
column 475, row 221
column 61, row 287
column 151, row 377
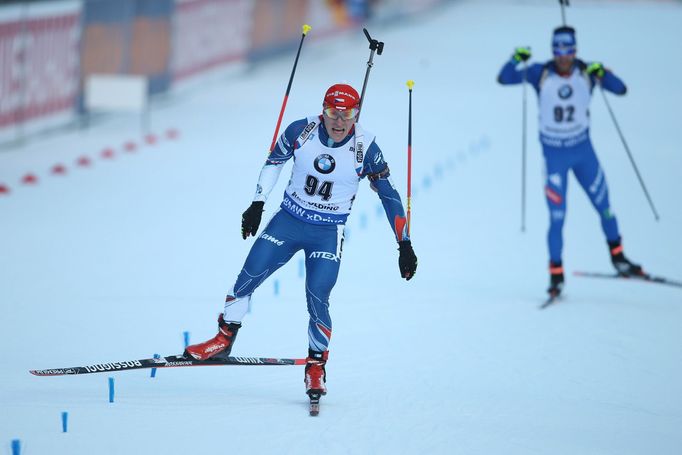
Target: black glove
column 407, row 262
column 521, row 54
column 251, row 219
column 596, row 69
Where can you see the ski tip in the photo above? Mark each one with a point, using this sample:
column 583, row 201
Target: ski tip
column 55, row 372
column 43, row 373
column 553, row 297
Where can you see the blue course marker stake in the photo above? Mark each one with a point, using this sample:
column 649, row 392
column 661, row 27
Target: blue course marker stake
column 485, row 142
column 438, row 171
column 16, row 447
column 301, row 268
column 111, row 390
column 185, row 336
column 153, row 373
column 276, row 287
column 65, row 421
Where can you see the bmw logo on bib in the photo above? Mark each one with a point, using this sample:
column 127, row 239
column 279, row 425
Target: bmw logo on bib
column 565, row 91
column 325, row 163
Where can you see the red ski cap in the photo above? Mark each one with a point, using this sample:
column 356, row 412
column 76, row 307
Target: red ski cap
column 341, row 97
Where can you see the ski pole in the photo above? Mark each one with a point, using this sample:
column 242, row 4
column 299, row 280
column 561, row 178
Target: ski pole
column 410, row 84
column 523, row 150
column 374, row 45
column 563, row 12
column 306, row 28
column 627, row 149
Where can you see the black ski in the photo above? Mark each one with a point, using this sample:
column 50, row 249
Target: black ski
column 314, row 403
column 171, row 361
column 647, row 278
column 553, row 297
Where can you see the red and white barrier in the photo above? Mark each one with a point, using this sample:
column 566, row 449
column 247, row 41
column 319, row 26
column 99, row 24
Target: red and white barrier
column 39, row 76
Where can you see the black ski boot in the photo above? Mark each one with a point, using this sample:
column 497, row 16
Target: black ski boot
column 556, row 279
column 623, row 266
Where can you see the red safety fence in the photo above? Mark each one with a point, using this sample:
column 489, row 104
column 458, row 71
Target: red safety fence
column 38, row 67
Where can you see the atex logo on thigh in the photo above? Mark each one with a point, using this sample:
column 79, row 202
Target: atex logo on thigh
column 324, row 255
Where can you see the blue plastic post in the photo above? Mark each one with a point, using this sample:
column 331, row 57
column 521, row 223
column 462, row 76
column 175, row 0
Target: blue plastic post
column 301, row 268
column 16, row 447
column 153, row 374
column 485, row 142
column 276, row 287
column 111, row 390
column 65, row 421
column 185, row 335
column 438, row 171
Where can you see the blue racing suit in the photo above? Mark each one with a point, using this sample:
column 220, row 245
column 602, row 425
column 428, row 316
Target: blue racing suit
column 312, row 215
column 564, row 135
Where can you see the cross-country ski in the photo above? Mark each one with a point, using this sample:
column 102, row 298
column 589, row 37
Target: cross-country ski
column 647, row 278
column 173, row 361
column 551, row 300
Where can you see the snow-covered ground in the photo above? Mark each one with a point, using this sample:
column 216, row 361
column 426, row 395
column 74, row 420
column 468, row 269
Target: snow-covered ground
column 116, row 260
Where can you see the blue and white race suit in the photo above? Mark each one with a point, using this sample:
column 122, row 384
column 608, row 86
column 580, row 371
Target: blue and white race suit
column 564, row 122
column 316, row 204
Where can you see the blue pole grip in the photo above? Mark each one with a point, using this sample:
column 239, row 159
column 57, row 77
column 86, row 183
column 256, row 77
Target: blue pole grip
column 111, row 390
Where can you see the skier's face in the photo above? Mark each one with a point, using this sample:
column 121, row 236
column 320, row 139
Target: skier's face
column 564, row 63
column 338, row 123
